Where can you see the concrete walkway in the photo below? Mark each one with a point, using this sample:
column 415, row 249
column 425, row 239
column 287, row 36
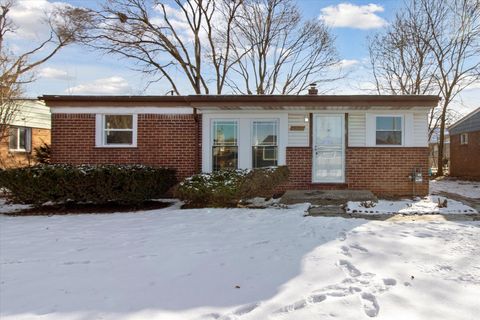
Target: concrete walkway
column 326, row 197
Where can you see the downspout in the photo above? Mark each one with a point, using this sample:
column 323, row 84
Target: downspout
column 197, row 144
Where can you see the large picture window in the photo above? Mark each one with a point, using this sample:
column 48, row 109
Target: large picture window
column 225, row 145
column 20, row 139
column 118, row 130
column 264, row 144
column 389, row 130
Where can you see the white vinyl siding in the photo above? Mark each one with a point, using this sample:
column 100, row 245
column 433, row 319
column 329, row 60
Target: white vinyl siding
column 297, row 137
column 420, row 130
column 356, row 130
column 32, row 114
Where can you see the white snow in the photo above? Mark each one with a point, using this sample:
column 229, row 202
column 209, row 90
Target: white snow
column 185, row 264
column 426, row 205
column 469, row 189
column 9, row 208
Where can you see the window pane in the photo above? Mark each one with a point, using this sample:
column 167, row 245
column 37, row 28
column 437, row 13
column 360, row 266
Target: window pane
column 118, row 122
column 22, row 138
column 389, row 137
column 225, row 158
column 264, row 133
column 225, row 133
column 389, row 123
column 13, row 138
column 118, row 137
column 264, row 156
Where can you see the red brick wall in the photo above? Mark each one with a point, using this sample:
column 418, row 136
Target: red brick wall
column 162, row 140
column 465, row 158
column 170, row 141
column 383, row 171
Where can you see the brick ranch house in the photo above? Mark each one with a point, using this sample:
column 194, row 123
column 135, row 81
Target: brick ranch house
column 465, row 146
column 328, row 142
column 28, row 129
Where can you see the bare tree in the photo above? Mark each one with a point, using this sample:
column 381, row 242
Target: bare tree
column 16, row 69
column 279, row 52
column 432, row 47
column 402, row 62
column 455, row 43
column 192, row 37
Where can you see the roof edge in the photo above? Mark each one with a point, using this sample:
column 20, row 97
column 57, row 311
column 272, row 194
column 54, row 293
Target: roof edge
column 464, row 118
column 427, row 100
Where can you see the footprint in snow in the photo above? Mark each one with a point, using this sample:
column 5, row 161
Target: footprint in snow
column 358, row 247
column 342, row 236
column 349, row 268
column 243, row 310
column 370, row 304
column 345, row 251
column 365, row 285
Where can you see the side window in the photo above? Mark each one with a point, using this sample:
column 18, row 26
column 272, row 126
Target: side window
column 225, row 144
column 20, row 139
column 388, row 130
column 117, row 130
column 464, row 138
column 264, row 144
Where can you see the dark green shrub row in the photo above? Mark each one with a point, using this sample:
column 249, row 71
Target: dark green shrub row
column 99, row 184
column 225, row 188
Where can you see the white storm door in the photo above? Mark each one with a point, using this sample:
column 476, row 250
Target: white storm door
column 328, row 148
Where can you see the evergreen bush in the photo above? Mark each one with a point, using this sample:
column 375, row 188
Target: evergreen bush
column 225, row 188
column 98, row 184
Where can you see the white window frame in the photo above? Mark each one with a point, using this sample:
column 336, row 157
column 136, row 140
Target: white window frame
column 402, row 125
column 100, row 131
column 273, row 120
column 244, row 119
column 28, row 141
column 464, row 138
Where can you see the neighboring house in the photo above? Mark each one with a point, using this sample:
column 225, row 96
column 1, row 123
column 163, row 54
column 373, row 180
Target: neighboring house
column 433, row 145
column 465, row 146
column 328, row 142
column 29, row 129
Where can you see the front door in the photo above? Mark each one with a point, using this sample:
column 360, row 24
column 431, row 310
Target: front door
column 328, row 148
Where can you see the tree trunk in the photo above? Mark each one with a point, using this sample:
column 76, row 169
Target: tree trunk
column 441, row 141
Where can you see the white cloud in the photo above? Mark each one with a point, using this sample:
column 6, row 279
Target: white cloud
column 29, row 17
column 111, row 85
column 345, row 64
column 347, row 15
column 52, row 73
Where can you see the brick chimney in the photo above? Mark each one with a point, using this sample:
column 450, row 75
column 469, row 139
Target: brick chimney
column 313, row 89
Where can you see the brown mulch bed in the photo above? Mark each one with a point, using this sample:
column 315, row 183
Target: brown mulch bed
column 71, row 208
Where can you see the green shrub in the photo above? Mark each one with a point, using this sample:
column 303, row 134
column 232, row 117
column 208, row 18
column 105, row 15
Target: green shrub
column 98, row 184
column 43, row 154
column 225, row 188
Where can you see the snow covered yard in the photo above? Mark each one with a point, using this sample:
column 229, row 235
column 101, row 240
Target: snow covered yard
column 236, row 264
column 469, row 189
column 426, row 205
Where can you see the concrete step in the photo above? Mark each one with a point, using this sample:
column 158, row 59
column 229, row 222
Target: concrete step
column 326, row 197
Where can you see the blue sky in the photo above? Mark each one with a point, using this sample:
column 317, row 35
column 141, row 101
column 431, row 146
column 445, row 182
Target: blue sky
column 76, row 70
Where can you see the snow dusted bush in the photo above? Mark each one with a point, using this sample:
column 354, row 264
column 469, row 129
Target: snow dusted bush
column 225, row 188
column 98, row 184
